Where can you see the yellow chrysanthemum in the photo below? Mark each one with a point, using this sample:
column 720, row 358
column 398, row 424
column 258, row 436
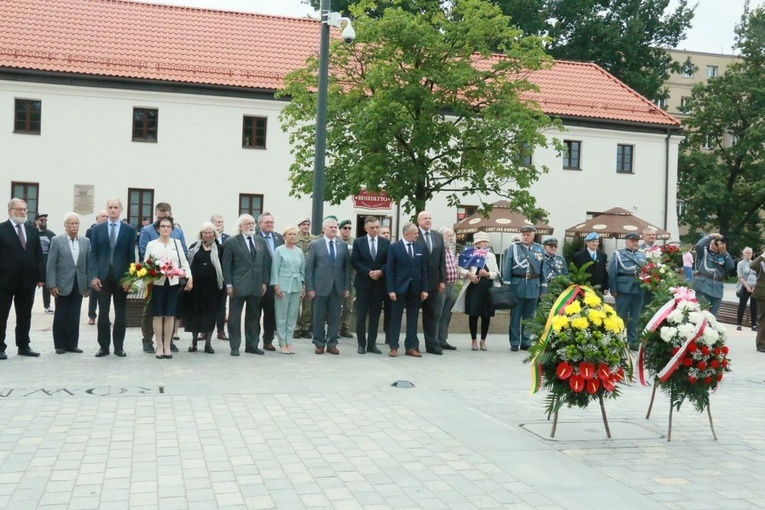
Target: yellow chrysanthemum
column 559, row 322
column 573, row 308
column 142, row 272
column 607, row 308
column 580, row 323
column 596, row 317
column 131, row 270
column 613, row 324
column 591, row 299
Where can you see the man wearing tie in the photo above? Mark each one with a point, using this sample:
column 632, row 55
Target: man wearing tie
column 67, row 280
column 273, row 241
column 247, row 274
column 597, row 270
column 22, row 269
column 407, row 281
column 327, row 281
column 112, row 250
column 369, row 258
column 432, row 244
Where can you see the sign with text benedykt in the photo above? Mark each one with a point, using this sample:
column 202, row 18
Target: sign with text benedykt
column 369, row 200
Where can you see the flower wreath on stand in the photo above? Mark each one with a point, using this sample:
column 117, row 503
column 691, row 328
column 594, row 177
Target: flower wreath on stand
column 684, row 349
column 141, row 275
column 582, row 352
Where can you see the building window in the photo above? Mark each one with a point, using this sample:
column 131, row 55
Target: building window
column 680, row 208
column 661, row 103
column 463, row 211
column 250, row 204
column 29, row 192
column 572, row 155
column 687, row 70
column 708, row 142
column 254, row 132
column 28, row 113
column 711, row 72
column 140, row 205
column 145, row 121
column 525, row 155
column 685, row 104
column 624, row 155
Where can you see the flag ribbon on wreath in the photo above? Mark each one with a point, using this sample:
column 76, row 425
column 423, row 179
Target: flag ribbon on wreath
column 566, row 298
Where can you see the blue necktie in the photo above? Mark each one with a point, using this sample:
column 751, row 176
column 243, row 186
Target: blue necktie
column 332, row 251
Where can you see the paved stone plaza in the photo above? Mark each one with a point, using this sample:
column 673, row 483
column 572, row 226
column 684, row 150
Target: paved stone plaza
column 306, row 431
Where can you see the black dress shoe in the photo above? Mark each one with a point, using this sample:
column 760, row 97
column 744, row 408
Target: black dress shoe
column 148, row 347
column 235, row 352
column 173, row 348
column 514, row 348
column 60, row 351
column 102, row 353
column 254, row 350
column 373, row 349
column 434, row 350
column 75, row 349
column 361, row 350
column 448, row 347
column 26, row 351
column 3, row 355
column 121, row 354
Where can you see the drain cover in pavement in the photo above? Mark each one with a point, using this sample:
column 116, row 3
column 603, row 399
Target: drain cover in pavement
column 402, row 384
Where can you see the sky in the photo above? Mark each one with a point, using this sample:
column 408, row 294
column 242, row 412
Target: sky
column 712, row 29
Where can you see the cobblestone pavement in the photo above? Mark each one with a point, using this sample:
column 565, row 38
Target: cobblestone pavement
column 307, row 431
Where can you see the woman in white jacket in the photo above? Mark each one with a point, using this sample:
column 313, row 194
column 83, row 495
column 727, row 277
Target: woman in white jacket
column 167, row 289
column 473, row 298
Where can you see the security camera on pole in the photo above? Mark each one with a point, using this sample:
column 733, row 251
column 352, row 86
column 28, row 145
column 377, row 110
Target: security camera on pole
column 328, row 19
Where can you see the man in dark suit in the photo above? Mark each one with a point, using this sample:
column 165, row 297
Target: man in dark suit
column 67, row 280
column 112, row 250
column 246, row 273
column 369, row 258
column 432, row 244
column 93, row 299
column 407, row 280
column 273, row 241
column 598, row 270
column 220, row 320
column 327, row 281
column 22, row 269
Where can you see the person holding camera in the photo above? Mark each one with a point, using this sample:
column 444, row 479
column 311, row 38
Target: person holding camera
column 712, row 262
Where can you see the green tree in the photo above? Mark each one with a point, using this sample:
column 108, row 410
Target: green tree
column 722, row 160
column 421, row 105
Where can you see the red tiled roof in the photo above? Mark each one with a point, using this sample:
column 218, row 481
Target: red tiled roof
column 125, row 39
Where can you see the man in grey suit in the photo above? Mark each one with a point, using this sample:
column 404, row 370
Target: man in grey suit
column 327, row 281
column 67, row 280
column 246, row 273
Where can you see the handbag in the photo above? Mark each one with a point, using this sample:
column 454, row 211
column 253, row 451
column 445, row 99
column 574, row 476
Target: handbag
column 502, row 298
column 740, row 292
column 182, row 280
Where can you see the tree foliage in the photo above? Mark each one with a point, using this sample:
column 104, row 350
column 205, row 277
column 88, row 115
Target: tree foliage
column 421, row 105
column 722, row 161
column 626, row 37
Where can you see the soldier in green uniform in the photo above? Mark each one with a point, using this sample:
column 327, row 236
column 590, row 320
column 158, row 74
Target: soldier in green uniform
column 344, row 229
column 303, row 326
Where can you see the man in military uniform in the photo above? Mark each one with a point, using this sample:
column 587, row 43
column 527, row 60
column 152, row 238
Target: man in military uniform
column 525, row 271
column 555, row 264
column 303, row 326
column 712, row 261
column 344, row 229
column 625, row 287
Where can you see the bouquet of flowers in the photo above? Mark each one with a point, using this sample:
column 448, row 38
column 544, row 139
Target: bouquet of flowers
column 684, row 348
column 582, row 354
column 655, row 275
column 140, row 275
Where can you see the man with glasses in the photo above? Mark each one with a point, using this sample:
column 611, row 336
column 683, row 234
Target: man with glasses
column 22, row 269
column 273, row 241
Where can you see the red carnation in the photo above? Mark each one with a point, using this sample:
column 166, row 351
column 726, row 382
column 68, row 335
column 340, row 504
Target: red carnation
column 705, row 350
column 701, row 365
column 674, row 350
column 576, row 383
column 717, row 351
column 707, row 380
column 725, row 349
column 714, row 364
column 152, row 273
column 692, row 347
column 688, row 362
column 691, row 379
column 592, row 386
column 724, row 363
column 719, row 376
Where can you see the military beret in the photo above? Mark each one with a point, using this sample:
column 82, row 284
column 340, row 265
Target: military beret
column 344, row 223
column 528, row 228
column 330, row 217
column 592, row 236
column 304, row 220
column 550, row 240
column 632, row 235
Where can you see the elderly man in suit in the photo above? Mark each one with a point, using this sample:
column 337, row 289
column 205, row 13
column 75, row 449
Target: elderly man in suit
column 247, row 275
column 369, row 258
column 67, row 280
column 407, row 283
column 273, row 241
column 112, row 250
column 598, row 271
column 22, row 269
column 327, row 281
column 432, row 243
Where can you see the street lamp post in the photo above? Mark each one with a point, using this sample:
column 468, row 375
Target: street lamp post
column 327, row 19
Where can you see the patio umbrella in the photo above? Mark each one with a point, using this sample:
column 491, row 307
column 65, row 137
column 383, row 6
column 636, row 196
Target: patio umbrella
column 614, row 223
column 501, row 219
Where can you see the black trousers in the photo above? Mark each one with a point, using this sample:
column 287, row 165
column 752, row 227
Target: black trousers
column 411, row 303
column 269, row 315
column 111, row 290
column 66, row 320
column 368, row 304
column 22, row 299
column 220, row 320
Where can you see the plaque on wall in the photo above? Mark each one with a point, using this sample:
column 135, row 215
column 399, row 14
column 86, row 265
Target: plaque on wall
column 83, row 198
